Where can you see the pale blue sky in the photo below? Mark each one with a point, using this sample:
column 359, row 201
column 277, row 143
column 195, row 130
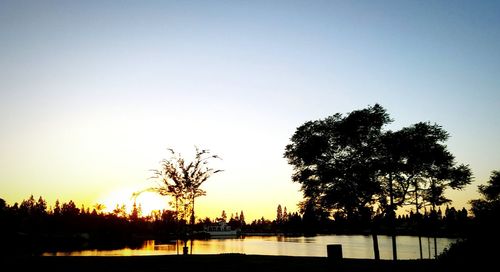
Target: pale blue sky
column 91, row 93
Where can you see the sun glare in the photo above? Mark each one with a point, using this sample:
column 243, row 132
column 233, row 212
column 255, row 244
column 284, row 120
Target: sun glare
column 147, row 201
column 150, row 202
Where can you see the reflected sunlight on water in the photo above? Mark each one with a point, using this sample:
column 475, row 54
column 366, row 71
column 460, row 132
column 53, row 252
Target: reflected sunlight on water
column 353, row 246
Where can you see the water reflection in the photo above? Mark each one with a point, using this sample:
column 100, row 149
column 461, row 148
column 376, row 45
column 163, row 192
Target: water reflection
column 353, row 246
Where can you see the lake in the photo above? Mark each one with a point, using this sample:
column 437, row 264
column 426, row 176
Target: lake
column 353, row 246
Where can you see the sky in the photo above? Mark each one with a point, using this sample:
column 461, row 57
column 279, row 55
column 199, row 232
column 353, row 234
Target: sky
column 92, row 93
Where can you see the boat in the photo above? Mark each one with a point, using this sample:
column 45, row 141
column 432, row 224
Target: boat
column 220, row 229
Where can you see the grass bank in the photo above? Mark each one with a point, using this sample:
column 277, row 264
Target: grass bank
column 221, row 263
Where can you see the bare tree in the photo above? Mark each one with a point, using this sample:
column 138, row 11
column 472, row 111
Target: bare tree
column 182, row 181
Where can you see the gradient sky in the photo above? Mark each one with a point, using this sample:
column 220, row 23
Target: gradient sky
column 93, row 92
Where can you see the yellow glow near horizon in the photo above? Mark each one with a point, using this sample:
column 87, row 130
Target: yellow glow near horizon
column 211, row 205
column 147, row 201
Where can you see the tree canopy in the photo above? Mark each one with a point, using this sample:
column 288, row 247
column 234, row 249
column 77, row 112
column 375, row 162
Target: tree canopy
column 350, row 163
column 488, row 207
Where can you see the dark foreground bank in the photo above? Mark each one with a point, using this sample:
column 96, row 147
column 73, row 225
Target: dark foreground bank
column 221, row 263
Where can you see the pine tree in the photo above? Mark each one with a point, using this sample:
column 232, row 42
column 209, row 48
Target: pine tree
column 242, row 218
column 223, row 216
column 279, row 215
column 57, row 208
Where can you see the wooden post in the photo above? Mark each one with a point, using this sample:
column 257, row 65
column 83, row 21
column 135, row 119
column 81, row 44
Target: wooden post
column 334, row 256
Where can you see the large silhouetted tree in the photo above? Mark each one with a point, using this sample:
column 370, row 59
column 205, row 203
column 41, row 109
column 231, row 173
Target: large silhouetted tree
column 336, row 161
column 333, row 159
column 417, row 168
column 349, row 163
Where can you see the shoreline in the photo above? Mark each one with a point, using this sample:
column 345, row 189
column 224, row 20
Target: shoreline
column 216, row 262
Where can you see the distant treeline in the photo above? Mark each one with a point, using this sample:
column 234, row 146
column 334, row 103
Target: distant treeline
column 450, row 223
column 31, row 227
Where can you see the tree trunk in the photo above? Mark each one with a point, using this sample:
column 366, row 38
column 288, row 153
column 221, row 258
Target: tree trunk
column 375, row 228
column 420, row 245
column 191, row 219
column 429, row 246
column 177, row 244
column 393, row 220
column 418, row 223
column 177, row 223
column 177, row 210
column 434, row 226
column 394, row 247
column 434, row 218
column 375, row 246
column 435, row 247
column 191, row 249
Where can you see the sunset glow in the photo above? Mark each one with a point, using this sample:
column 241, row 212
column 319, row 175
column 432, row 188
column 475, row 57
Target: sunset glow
column 92, row 93
column 147, row 202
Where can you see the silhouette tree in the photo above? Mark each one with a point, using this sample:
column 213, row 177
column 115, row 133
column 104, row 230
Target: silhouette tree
column 120, row 211
column 182, row 180
column 99, row 208
column 40, row 207
column 27, row 206
column 417, row 168
column 444, row 175
column 346, row 164
column 279, row 215
column 392, row 159
column 336, row 161
column 433, row 168
column 487, row 209
column 333, row 159
column 57, row 208
column 223, row 216
column 69, row 209
column 242, row 218
column 136, row 212
column 477, row 249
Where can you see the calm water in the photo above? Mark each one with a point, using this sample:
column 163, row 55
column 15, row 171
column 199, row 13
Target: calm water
column 353, row 246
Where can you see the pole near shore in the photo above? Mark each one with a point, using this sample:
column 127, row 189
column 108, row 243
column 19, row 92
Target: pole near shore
column 334, row 252
column 334, row 256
